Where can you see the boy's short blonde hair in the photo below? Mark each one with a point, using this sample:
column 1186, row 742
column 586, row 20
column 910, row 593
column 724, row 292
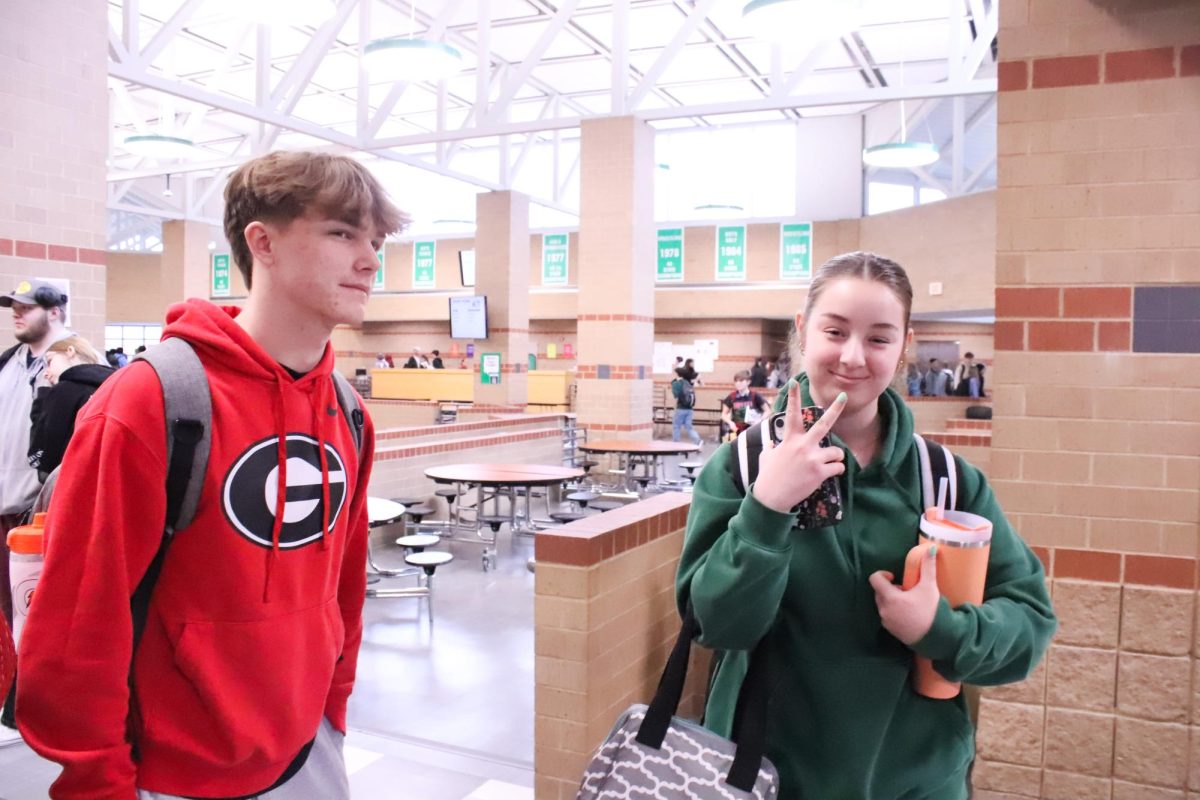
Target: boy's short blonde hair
column 283, row 186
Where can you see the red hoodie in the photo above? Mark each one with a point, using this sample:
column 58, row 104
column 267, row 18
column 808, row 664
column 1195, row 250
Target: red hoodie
column 254, row 626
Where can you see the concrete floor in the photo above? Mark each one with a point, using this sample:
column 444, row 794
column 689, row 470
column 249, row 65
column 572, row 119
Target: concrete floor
column 439, row 712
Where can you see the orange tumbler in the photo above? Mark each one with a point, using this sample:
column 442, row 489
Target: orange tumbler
column 964, row 541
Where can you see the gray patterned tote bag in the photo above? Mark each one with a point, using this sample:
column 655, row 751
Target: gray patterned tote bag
column 651, row 753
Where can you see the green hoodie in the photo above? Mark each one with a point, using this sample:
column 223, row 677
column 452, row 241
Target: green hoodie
column 844, row 722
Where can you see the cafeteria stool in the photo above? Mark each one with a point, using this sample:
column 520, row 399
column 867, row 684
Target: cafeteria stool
column 581, row 499
column 605, row 505
column 451, row 495
column 493, row 520
column 417, row 512
column 429, row 561
column 566, row 516
column 417, row 542
column 690, row 468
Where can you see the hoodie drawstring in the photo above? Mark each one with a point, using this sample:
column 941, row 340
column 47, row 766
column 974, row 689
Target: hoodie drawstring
column 322, row 416
column 280, row 487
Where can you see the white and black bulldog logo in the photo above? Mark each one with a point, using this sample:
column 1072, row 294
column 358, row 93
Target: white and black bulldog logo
column 251, row 489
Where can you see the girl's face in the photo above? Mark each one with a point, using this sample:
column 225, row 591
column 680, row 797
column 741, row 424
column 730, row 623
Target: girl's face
column 853, row 342
column 56, row 364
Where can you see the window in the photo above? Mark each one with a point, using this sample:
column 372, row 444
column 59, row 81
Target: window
column 131, row 336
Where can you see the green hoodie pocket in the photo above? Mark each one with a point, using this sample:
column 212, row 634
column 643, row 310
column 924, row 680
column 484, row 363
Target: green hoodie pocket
column 262, row 682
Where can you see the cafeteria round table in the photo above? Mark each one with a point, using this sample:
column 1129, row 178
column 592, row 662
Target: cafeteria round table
column 649, row 450
column 499, row 476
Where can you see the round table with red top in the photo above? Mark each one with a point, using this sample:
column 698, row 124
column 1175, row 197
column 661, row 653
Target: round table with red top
column 499, row 476
column 648, row 451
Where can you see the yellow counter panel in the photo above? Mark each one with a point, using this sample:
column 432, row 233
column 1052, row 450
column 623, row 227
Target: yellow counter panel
column 424, row 384
column 548, row 387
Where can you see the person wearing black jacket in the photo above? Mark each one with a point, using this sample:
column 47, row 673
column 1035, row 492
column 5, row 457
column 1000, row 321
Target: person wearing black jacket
column 74, row 374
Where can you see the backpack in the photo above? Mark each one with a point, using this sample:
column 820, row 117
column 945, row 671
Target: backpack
column 187, row 403
column 937, row 462
column 685, row 393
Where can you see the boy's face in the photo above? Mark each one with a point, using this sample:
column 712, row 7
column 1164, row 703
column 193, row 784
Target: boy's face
column 742, row 385
column 323, row 268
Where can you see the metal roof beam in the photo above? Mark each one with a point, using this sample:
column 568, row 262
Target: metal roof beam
column 167, row 32
column 985, row 32
column 499, row 107
column 855, row 97
column 131, row 20
column 698, row 14
column 436, row 30
column 305, row 65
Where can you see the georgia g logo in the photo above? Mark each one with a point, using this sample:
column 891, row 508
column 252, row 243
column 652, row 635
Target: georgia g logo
column 251, row 489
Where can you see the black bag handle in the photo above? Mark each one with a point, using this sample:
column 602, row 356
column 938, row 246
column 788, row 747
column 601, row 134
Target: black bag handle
column 749, row 717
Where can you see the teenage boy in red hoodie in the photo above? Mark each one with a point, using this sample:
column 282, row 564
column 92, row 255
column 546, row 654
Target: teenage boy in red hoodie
column 241, row 677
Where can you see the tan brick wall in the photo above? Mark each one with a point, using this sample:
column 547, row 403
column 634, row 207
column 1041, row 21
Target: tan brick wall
column 605, row 620
column 53, row 140
column 1096, row 448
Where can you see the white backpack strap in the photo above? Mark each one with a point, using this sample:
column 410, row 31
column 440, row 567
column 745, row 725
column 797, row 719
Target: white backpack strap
column 936, row 462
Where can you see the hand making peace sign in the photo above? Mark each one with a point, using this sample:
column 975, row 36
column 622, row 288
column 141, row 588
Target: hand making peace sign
column 793, row 469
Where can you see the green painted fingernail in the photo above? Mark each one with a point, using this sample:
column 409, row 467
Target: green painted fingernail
column 933, row 551
column 841, row 398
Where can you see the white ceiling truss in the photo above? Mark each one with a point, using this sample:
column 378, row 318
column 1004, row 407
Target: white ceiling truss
column 533, row 70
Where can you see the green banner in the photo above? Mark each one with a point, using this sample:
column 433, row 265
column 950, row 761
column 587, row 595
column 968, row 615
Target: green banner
column 731, row 253
column 489, row 368
column 554, row 259
column 424, row 258
column 795, row 251
column 220, row 275
column 670, row 256
column 378, row 282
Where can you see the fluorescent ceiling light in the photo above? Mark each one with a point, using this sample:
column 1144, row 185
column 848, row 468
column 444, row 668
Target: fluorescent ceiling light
column 901, row 155
column 163, row 148
column 411, row 60
column 805, row 21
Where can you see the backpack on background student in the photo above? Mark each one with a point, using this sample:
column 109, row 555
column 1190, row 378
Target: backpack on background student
column 684, row 392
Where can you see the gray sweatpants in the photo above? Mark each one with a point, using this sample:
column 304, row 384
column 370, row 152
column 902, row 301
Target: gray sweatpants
column 323, row 774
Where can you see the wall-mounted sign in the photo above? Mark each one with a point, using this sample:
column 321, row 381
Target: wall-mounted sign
column 731, row 253
column 378, row 282
column 424, row 254
column 795, row 250
column 489, row 368
column 554, row 259
column 220, row 275
column 670, row 256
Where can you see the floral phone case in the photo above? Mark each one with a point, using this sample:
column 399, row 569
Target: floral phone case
column 824, row 506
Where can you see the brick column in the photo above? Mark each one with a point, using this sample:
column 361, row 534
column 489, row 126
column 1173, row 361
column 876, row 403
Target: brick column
column 53, row 140
column 502, row 275
column 186, row 262
column 616, row 277
column 1096, row 440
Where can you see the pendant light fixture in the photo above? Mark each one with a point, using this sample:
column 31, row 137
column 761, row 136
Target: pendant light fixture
column 902, row 154
column 411, row 58
column 157, row 146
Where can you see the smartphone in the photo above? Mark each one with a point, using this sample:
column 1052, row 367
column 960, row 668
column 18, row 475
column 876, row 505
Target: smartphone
column 824, row 506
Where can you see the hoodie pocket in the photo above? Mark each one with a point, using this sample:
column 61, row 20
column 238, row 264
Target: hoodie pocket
column 264, row 682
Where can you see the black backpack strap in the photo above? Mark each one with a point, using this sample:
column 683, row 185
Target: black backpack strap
column 7, row 355
column 937, row 462
column 351, row 407
column 747, row 448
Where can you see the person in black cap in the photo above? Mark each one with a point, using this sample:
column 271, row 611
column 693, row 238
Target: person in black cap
column 37, row 314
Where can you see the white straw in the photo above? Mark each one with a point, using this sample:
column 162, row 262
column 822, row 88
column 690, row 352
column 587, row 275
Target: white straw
column 943, row 484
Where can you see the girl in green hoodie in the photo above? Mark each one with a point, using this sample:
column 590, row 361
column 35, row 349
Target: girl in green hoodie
column 844, row 722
